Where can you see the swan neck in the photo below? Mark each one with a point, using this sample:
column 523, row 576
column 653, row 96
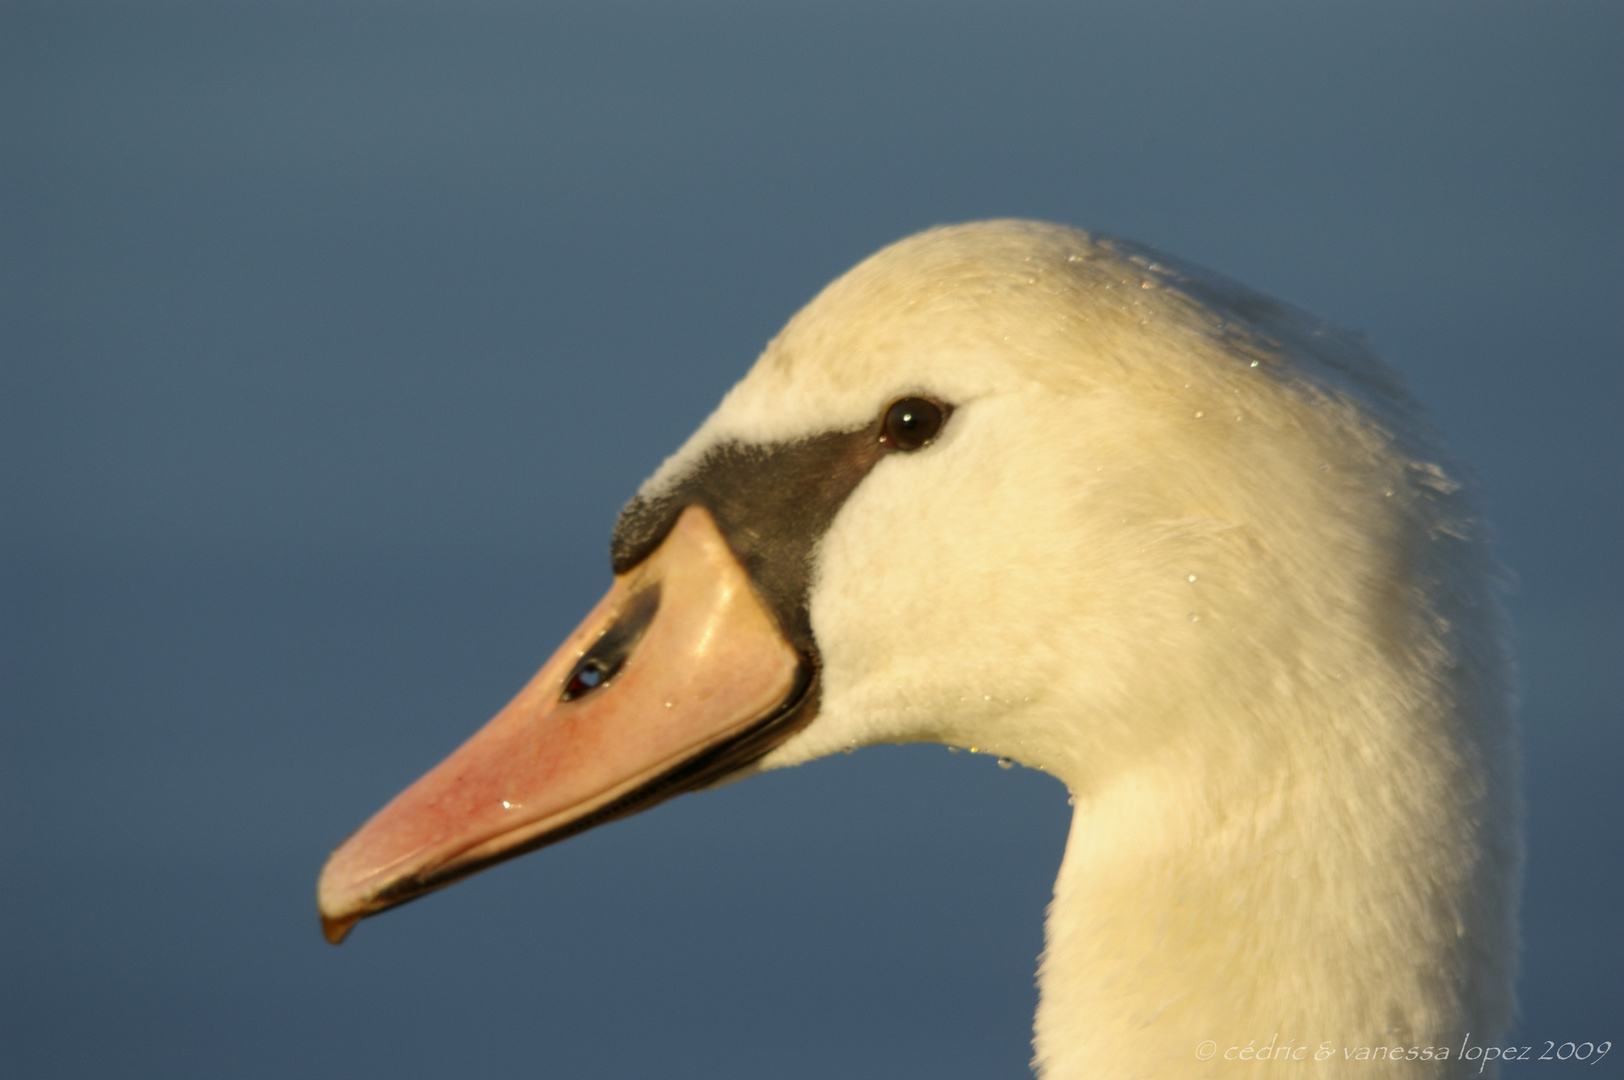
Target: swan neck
column 1203, row 912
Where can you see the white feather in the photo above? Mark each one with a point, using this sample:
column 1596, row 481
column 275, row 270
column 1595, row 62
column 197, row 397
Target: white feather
column 1195, row 553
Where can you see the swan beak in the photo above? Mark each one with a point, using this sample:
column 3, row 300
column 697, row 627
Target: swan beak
column 679, row 676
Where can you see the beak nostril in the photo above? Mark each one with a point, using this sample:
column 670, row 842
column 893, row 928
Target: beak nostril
column 609, row 654
column 588, row 676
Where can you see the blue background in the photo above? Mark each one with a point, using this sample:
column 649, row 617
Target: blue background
column 334, row 336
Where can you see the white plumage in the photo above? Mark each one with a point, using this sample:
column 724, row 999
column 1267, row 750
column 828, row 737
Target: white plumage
column 1195, row 553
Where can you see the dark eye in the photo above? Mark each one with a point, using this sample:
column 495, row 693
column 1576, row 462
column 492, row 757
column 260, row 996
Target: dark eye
column 911, row 423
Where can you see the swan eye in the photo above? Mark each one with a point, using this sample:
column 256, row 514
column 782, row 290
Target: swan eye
column 911, row 423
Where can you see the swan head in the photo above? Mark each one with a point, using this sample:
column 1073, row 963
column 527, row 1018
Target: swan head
column 1017, row 488
column 1148, row 484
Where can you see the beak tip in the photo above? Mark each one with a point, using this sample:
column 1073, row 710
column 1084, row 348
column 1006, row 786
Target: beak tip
column 335, row 930
column 339, row 907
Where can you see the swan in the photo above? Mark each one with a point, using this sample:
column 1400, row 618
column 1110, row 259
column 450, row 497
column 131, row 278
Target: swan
column 1057, row 497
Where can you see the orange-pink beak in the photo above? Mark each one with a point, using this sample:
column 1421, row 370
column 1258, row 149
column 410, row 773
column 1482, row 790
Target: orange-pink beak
column 679, row 676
